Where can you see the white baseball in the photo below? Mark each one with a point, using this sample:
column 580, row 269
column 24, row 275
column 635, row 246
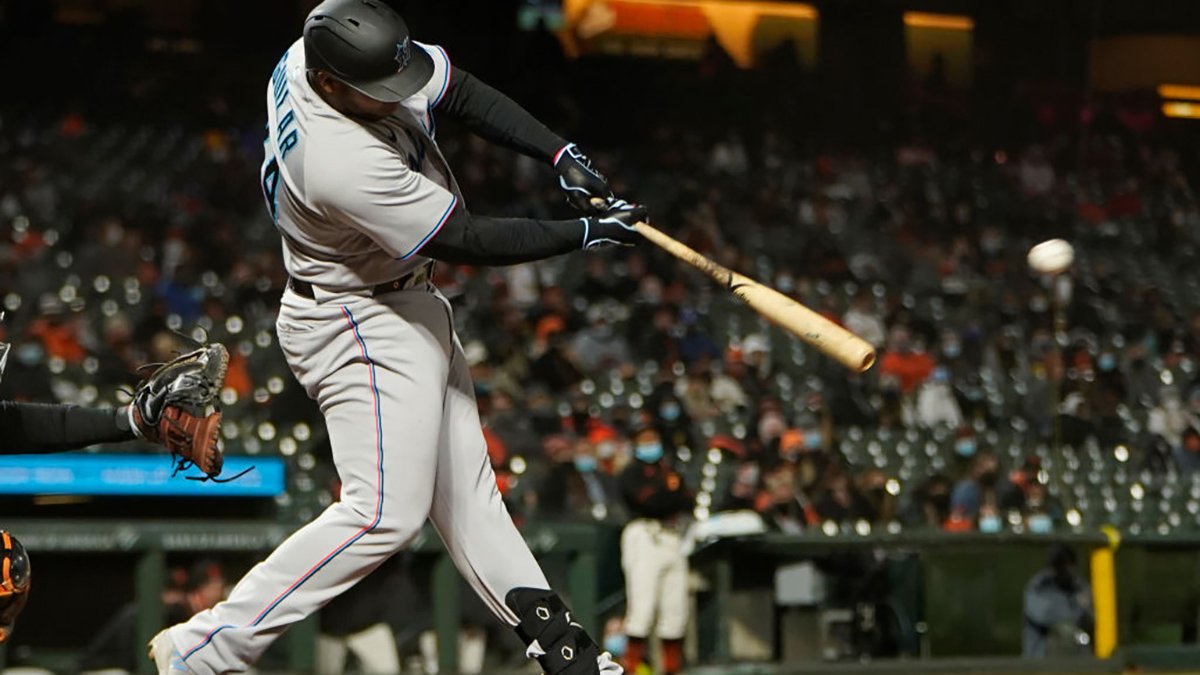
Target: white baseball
column 1051, row 257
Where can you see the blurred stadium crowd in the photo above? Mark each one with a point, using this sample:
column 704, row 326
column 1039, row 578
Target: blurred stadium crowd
column 1000, row 402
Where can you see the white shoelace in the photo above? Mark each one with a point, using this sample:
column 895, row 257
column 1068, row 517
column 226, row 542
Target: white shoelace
column 604, row 662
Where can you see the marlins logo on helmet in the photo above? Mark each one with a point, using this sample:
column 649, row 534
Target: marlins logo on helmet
column 402, row 54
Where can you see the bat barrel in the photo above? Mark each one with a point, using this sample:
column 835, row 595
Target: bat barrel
column 858, row 360
column 866, row 360
column 840, row 344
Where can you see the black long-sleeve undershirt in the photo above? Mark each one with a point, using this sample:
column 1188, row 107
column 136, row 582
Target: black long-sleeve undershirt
column 497, row 118
column 28, row 428
column 481, row 240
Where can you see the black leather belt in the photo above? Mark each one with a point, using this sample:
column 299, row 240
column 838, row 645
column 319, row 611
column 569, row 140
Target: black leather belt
column 414, row 278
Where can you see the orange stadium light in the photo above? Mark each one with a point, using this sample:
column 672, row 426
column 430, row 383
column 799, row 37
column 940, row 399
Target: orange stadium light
column 731, row 22
column 794, row 10
column 656, row 19
column 1187, row 92
column 942, row 21
column 1181, row 109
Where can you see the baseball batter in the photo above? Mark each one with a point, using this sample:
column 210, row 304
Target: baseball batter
column 364, row 201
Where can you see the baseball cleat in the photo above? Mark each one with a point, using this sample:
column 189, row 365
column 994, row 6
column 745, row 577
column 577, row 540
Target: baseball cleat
column 165, row 656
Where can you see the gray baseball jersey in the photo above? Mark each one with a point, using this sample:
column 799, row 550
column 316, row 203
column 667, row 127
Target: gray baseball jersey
column 354, row 201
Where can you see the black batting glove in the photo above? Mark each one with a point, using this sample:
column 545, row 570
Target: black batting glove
column 579, row 180
column 614, row 227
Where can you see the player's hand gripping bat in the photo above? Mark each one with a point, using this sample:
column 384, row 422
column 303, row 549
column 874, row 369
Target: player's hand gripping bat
column 843, row 346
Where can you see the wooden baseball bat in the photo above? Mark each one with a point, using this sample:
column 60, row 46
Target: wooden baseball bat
column 845, row 347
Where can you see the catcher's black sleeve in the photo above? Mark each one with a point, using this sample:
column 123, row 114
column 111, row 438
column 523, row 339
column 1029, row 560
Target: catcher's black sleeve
column 28, row 428
column 480, row 240
column 498, row 118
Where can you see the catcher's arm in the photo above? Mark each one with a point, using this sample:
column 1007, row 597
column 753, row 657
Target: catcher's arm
column 53, row 427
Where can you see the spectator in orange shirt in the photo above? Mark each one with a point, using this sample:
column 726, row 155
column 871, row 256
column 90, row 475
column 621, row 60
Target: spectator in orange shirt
column 909, row 366
column 59, row 335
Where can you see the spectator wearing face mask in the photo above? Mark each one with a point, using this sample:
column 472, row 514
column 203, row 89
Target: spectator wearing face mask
column 1058, row 609
column 989, row 521
column 965, row 444
column 977, row 489
column 936, row 404
column 611, row 450
column 952, row 347
column 615, row 641
column 652, row 555
column 1042, row 512
column 795, row 444
column 673, row 423
column 598, row 488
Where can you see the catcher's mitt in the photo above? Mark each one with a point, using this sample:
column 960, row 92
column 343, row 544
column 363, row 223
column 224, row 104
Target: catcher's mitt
column 175, row 406
column 14, row 582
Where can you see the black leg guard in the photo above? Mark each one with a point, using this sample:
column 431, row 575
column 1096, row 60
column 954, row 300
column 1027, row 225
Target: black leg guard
column 566, row 648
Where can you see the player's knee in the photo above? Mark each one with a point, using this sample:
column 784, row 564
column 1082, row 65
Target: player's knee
column 360, row 511
column 397, row 531
column 560, row 644
column 390, row 532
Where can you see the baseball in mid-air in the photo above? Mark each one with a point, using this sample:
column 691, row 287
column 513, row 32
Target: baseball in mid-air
column 1051, row 257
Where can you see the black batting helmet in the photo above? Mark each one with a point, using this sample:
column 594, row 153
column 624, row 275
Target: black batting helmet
column 366, row 44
